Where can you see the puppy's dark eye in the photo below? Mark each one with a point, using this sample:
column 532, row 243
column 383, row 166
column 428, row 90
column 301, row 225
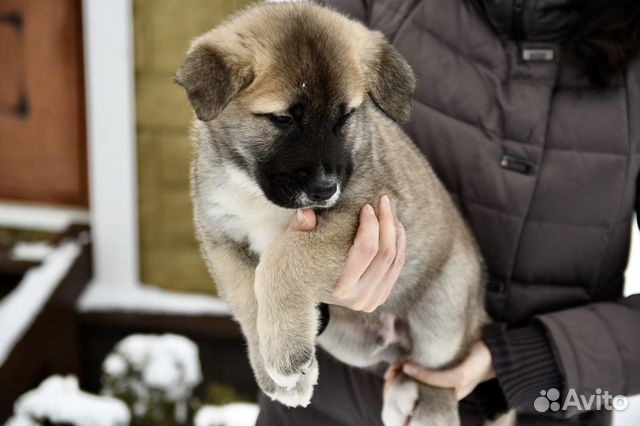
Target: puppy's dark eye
column 280, row 120
column 343, row 120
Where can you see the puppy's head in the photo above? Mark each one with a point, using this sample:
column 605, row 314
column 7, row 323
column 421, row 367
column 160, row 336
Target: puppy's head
column 287, row 89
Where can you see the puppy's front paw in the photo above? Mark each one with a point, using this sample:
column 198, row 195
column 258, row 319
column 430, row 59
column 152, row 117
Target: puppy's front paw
column 399, row 402
column 287, row 326
column 289, row 364
column 300, row 394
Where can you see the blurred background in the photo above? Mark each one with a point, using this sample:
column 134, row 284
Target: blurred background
column 96, row 236
column 102, row 287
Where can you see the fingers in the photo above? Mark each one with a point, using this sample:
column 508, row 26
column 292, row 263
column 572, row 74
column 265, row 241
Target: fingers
column 386, row 253
column 463, row 379
column 365, row 244
column 373, row 263
column 441, row 379
column 390, row 278
column 393, row 240
column 390, row 376
column 447, row 379
column 364, row 249
column 303, row 221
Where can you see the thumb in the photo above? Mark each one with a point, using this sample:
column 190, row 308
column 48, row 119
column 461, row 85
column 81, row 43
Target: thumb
column 303, row 221
column 441, row 378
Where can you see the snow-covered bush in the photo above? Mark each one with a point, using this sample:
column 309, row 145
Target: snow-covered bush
column 235, row 414
column 155, row 375
column 59, row 400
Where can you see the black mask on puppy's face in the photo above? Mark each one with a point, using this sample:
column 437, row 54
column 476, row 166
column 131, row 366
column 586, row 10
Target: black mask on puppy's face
column 310, row 160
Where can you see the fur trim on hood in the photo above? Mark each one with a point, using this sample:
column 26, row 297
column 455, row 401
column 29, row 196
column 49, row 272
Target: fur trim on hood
column 601, row 37
column 606, row 38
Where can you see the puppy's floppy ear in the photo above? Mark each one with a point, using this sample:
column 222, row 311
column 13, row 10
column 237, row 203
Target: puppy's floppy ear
column 211, row 80
column 390, row 81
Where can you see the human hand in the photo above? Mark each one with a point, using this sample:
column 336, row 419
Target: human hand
column 463, row 379
column 373, row 262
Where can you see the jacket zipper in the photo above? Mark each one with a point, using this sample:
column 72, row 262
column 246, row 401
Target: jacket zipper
column 518, row 19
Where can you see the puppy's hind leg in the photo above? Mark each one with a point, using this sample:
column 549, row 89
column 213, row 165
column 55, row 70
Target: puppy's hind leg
column 437, row 333
column 400, row 401
column 435, row 407
column 351, row 342
column 422, row 405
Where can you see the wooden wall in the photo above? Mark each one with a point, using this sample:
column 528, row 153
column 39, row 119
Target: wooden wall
column 42, row 127
column 162, row 28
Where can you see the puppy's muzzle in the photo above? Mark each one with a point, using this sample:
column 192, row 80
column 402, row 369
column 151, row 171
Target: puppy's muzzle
column 322, row 191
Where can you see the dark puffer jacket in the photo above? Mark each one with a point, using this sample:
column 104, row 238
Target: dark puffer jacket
column 545, row 167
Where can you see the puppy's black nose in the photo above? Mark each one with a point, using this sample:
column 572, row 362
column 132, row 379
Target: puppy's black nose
column 321, row 191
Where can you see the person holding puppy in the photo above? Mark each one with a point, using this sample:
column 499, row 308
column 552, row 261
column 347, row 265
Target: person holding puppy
column 529, row 112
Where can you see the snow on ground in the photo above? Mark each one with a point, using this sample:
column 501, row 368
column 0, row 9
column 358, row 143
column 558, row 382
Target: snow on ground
column 39, row 217
column 236, row 414
column 158, row 370
column 19, row 308
column 111, row 297
column 60, row 400
column 30, row 251
column 167, row 362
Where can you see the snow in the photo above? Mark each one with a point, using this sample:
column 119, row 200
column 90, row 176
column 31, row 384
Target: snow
column 161, row 373
column 630, row 416
column 104, row 297
column 19, row 308
column 60, row 400
column 30, row 251
column 115, row 365
column 236, row 414
column 39, row 217
column 167, row 362
column 20, row 421
column 158, row 370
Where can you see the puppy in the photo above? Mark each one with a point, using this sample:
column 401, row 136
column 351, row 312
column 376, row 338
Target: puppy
column 298, row 107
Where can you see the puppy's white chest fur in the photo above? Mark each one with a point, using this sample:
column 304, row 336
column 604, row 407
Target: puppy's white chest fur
column 240, row 208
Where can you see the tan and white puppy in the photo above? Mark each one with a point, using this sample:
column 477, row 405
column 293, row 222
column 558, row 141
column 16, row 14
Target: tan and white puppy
column 297, row 107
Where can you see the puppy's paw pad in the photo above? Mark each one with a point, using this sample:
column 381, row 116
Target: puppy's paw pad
column 287, row 381
column 292, row 398
column 289, row 371
column 300, row 395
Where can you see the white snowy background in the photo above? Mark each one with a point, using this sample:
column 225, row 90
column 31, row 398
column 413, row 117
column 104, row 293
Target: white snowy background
column 20, row 307
column 631, row 416
column 60, row 400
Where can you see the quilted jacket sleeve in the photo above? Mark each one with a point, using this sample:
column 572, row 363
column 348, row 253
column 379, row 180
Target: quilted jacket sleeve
column 595, row 346
column 598, row 346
